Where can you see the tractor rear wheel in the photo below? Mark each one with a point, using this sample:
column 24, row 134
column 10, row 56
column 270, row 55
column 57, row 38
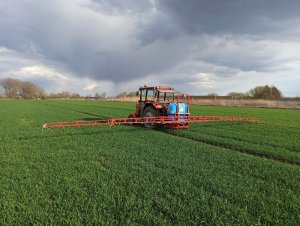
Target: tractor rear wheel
column 150, row 112
column 130, row 119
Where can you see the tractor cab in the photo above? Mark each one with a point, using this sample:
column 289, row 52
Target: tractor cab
column 157, row 97
column 155, row 101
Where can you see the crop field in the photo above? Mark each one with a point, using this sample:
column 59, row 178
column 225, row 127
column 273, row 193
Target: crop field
column 211, row 174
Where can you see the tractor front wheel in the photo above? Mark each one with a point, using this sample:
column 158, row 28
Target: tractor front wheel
column 150, row 112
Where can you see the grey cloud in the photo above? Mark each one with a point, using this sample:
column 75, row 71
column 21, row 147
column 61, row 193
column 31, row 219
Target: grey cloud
column 160, row 27
column 232, row 16
column 236, row 53
column 117, row 6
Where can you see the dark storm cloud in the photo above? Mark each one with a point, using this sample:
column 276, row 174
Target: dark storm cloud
column 160, row 27
column 232, row 16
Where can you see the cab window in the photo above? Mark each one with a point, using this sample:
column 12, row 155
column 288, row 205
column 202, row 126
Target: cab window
column 143, row 95
column 151, row 95
column 166, row 97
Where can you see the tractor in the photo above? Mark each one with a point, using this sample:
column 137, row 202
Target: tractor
column 156, row 101
column 156, row 106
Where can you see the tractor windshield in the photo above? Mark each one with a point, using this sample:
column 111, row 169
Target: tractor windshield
column 165, row 96
column 147, row 95
column 159, row 95
column 151, row 95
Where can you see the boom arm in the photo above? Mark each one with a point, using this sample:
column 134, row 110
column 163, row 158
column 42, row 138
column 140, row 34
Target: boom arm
column 176, row 121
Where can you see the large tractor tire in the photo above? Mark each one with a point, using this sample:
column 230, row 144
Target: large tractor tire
column 151, row 112
column 130, row 118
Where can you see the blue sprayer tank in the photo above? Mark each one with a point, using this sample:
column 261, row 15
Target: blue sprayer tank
column 182, row 110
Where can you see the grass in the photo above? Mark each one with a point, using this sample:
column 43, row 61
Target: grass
column 222, row 173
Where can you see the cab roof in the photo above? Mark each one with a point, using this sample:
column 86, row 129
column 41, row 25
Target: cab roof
column 165, row 89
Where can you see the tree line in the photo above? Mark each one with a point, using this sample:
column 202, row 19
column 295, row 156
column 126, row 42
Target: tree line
column 15, row 88
column 259, row 92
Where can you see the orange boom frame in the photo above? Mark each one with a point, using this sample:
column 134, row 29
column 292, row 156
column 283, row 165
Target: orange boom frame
column 160, row 120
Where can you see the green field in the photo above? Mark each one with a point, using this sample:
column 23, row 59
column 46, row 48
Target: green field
column 212, row 174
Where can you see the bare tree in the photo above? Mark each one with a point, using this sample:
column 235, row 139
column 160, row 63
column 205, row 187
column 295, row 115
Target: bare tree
column 28, row 90
column 11, row 87
column 100, row 95
column 103, row 95
column 238, row 95
column 213, row 95
column 41, row 93
column 123, row 94
column 265, row 92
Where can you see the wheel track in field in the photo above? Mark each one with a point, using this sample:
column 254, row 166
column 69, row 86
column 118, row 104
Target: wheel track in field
column 232, row 148
column 291, row 149
column 294, row 148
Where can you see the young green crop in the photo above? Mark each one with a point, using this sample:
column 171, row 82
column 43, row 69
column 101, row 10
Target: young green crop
column 271, row 138
column 130, row 175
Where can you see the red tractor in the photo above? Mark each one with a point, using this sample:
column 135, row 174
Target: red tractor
column 156, row 101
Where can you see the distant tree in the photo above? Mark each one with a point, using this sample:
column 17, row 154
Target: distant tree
column 238, row 95
column 28, row 90
column 42, row 93
column 97, row 95
column 123, row 94
column 212, row 95
column 103, row 95
column 51, row 95
column 64, row 95
column 11, row 87
column 132, row 94
column 265, row 92
column 75, row 96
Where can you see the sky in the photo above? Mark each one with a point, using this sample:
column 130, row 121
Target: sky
column 112, row 46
